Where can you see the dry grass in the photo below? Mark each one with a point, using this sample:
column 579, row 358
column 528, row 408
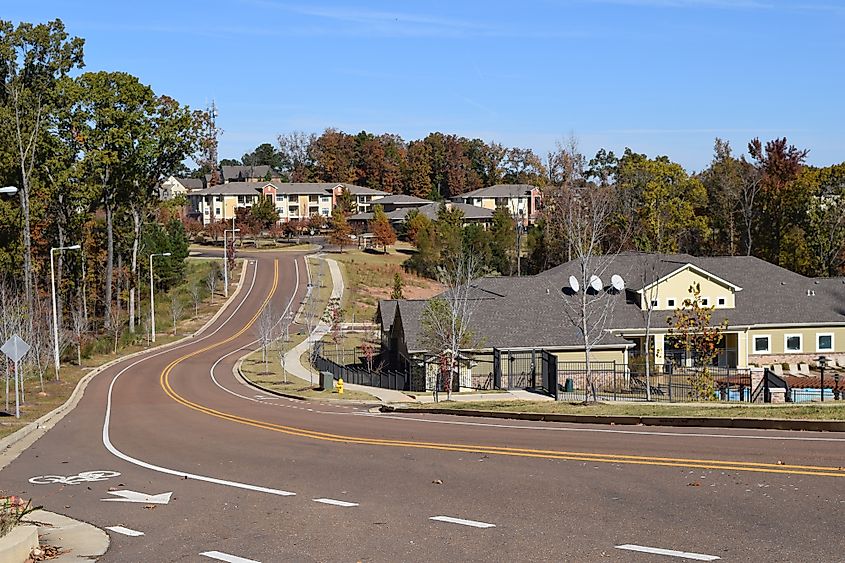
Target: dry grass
column 368, row 276
column 55, row 393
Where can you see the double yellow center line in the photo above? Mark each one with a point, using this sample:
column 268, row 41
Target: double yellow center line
column 164, row 381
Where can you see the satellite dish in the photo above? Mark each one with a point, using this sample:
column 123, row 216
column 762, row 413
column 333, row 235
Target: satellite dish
column 617, row 282
column 573, row 283
column 595, row 283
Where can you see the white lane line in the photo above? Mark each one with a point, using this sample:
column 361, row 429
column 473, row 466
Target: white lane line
column 614, row 431
column 335, row 502
column 117, row 453
column 473, row 523
column 220, row 556
column 125, row 531
column 669, row 552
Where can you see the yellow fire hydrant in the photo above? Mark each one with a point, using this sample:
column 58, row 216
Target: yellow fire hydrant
column 340, row 386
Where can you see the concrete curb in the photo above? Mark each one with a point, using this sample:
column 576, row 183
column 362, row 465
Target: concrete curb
column 236, row 371
column 81, row 541
column 14, row 444
column 18, row 543
column 676, row 421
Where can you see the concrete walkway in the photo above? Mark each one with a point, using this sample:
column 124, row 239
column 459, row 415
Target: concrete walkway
column 511, row 395
column 292, row 357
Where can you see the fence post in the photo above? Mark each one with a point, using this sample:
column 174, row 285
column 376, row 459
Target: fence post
column 614, row 380
column 671, row 373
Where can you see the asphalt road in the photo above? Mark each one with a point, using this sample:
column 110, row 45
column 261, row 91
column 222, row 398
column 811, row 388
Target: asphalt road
column 257, row 478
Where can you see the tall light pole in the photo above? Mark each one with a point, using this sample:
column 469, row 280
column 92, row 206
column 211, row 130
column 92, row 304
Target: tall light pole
column 152, row 296
column 55, row 307
column 233, row 230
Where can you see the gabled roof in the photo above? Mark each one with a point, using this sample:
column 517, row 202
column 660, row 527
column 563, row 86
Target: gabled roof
column 500, row 190
column 246, row 172
column 697, row 270
column 190, row 183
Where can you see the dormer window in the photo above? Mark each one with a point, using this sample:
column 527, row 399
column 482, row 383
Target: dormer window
column 670, row 302
column 654, row 302
column 721, row 302
column 705, row 302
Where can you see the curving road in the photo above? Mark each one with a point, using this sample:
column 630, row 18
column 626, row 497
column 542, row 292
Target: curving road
column 259, row 478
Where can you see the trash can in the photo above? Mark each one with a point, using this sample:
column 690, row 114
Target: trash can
column 569, row 385
column 326, row 380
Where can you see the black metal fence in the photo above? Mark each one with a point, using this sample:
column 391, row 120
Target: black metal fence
column 360, row 368
column 612, row 381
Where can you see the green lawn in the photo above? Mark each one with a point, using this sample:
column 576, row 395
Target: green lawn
column 828, row 411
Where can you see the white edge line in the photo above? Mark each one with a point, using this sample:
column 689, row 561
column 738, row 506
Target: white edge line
column 669, row 552
column 117, row 453
column 220, row 556
column 473, row 523
column 335, row 502
column 125, row 531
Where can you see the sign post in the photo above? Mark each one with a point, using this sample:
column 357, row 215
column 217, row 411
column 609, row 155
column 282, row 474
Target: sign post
column 15, row 348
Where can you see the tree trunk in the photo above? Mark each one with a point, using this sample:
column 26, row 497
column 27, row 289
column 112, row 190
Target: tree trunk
column 109, row 261
column 133, row 277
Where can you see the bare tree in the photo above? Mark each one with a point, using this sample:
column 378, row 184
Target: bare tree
column 116, row 321
column 265, row 328
column 581, row 214
column 211, row 283
column 176, row 309
column 750, row 187
column 196, row 298
column 446, row 320
column 79, row 329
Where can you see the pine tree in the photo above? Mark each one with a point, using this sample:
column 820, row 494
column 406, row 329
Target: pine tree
column 398, row 286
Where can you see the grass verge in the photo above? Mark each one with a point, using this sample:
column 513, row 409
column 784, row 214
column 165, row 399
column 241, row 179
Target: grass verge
column 721, row 410
column 253, row 369
column 99, row 350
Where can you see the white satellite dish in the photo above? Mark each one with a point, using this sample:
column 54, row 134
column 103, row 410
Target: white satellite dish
column 617, row 282
column 573, row 283
column 595, row 283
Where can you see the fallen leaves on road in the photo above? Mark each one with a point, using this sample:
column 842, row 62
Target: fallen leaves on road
column 437, row 482
column 45, row 552
column 694, row 484
column 149, row 506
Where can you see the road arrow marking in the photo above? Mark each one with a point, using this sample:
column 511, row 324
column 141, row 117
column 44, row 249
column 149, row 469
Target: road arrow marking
column 124, row 531
column 132, row 496
column 335, row 502
column 473, row 523
column 220, row 556
column 669, row 552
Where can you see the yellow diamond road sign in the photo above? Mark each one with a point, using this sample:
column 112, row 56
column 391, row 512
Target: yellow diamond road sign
column 15, row 348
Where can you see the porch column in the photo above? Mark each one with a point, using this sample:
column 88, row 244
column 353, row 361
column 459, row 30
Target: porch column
column 659, row 355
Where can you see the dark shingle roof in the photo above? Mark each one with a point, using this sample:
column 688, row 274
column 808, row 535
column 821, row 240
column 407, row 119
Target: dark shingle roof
column 500, row 190
column 233, row 188
column 402, row 199
column 535, row 311
column 246, row 172
column 191, row 183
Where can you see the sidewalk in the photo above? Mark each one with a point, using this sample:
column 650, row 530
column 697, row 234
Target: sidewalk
column 513, row 394
column 293, row 364
column 78, row 541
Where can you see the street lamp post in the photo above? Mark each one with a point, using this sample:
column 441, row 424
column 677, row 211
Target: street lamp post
column 152, row 296
column 822, row 360
column 233, row 230
column 55, row 307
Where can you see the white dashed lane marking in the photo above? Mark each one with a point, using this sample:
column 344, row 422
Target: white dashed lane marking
column 220, row 556
column 669, row 552
column 335, row 502
column 461, row 521
column 125, row 531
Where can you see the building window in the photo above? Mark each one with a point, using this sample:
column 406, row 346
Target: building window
column 324, row 198
column 280, row 198
column 654, row 302
column 824, row 342
column 792, row 343
column 325, row 212
column 705, row 302
column 721, row 301
column 216, row 212
column 240, row 199
column 670, row 302
column 762, row 344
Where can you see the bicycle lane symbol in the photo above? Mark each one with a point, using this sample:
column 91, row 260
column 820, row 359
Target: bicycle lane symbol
column 83, row 477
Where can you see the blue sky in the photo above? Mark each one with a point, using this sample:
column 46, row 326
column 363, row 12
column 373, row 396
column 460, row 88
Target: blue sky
column 660, row 76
